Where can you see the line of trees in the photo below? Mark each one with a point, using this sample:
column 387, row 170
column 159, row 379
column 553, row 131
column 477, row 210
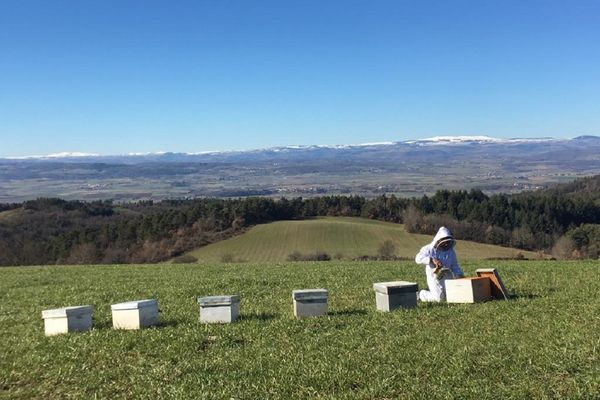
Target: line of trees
column 564, row 220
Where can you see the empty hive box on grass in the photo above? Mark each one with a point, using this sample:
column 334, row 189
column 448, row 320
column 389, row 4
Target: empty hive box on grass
column 310, row 302
column 68, row 319
column 392, row 295
column 219, row 309
column 468, row 290
column 135, row 314
column 498, row 289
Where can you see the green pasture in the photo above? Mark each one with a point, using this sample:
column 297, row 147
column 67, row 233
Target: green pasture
column 543, row 344
column 343, row 237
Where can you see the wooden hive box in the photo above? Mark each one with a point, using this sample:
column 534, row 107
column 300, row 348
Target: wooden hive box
column 499, row 291
column 135, row 314
column 219, row 309
column 468, row 290
column 68, row 319
column 398, row 294
column 310, row 302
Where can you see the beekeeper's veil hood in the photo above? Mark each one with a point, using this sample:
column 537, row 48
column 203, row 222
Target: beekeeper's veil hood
column 443, row 235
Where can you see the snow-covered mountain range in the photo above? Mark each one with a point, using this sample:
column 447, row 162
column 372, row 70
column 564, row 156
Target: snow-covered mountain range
column 406, row 168
column 167, row 156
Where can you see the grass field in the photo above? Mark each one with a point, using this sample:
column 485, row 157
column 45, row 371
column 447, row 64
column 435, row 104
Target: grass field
column 348, row 237
column 542, row 344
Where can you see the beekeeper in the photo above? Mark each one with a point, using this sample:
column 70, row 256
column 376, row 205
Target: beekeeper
column 440, row 263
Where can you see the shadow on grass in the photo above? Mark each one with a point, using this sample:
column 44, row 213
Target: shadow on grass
column 525, row 296
column 168, row 323
column 162, row 324
column 263, row 316
column 102, row 324
column 347, row 312
column 432, row 304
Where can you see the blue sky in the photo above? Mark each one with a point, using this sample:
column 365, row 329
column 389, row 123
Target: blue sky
column 114, row 77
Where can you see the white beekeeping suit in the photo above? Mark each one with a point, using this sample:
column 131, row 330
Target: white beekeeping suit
column 441, row 252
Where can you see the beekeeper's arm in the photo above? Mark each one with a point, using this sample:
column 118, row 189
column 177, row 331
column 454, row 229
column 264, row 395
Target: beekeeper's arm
column 454, row 267
column 424, row 256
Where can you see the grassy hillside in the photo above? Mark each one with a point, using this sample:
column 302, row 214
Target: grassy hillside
column 542, row 344
column 349, row 237
column 5, row 215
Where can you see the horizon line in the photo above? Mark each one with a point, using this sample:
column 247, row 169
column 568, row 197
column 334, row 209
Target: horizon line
column 445, row 139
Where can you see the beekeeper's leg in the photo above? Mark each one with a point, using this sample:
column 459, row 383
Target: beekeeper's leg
column 436, row 290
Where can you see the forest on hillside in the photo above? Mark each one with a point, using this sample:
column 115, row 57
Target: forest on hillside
column 563, row 221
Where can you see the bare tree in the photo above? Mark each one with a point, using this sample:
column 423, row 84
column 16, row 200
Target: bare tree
column 564, row 248
column 387, row 250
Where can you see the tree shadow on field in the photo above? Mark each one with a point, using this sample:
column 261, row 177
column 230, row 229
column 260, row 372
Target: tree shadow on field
column 353, row 311
column 263, row 316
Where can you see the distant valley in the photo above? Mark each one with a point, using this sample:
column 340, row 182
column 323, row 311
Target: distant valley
column 408, row 168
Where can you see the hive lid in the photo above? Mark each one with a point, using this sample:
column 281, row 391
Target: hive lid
column 310, row 294
column 218, row 300
column 67, row 311
column 134, row 305
column 396, row 287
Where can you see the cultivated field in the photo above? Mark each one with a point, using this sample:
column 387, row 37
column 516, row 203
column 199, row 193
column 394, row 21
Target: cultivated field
column 542, row 344
column 345, row 237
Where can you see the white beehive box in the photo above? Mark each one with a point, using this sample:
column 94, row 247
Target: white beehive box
column 392, row 295
column 219, row 309
column 68, row 319
column 135, row 314
column 468, row 290
column 310, row 302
